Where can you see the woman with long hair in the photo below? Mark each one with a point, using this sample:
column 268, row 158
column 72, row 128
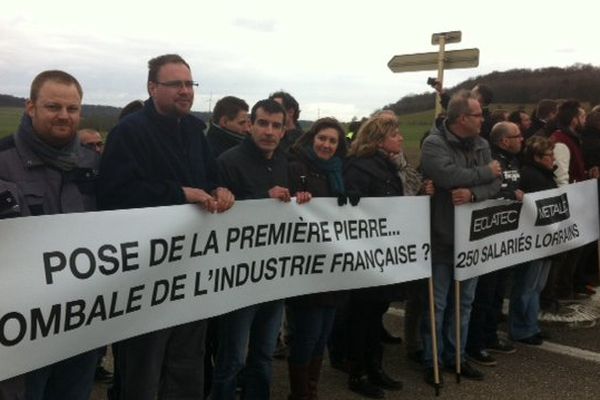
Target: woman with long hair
column 315, row 167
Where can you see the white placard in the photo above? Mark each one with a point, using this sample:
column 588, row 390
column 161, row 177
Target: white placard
column 70, row 283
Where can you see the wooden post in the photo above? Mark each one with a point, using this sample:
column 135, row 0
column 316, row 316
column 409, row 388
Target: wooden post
column 457, row 346
column 436, row 369
column 440, row 74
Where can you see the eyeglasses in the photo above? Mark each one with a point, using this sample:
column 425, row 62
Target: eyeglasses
column 94, row 146
column 178, row 84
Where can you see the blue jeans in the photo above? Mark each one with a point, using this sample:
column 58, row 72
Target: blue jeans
column 528, row 281
column 254, row 329
column 443, row 294
column 312, row 326
column 70, row 379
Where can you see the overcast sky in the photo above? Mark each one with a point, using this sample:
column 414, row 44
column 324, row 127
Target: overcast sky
column 331, row 55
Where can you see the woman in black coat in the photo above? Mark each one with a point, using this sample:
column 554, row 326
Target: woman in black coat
column 370, row 171
column 315, row 167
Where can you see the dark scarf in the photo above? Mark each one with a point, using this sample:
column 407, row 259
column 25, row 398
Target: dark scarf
column 64, row 159
column 332, row 167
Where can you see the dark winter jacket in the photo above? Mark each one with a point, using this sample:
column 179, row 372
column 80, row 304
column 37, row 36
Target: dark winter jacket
column 40, row 189
column 305, row 176
column 591, row 147
column 510, row 173
column 149, row 157
column 221, row 140
column 454, row 163
column 535, row 177
column 248, row 174
column 373, row 176
column 288, row 140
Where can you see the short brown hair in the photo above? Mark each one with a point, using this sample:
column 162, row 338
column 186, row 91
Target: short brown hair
column 156, row 63
column 537, row 146
column 54, row 76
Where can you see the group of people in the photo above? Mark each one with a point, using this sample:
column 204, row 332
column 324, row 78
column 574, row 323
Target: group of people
column 158, row 155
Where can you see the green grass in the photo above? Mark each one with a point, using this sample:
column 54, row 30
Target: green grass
column 9, row 120
column 413, row 127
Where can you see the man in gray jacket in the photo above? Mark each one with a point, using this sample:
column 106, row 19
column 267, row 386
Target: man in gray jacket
column 43, row 171
column 460, row 164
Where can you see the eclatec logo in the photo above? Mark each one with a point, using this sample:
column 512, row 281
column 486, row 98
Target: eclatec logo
column 492, row 220
column 552, row 209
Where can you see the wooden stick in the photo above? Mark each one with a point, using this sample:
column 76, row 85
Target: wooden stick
column 436, row 369
column 457, row 346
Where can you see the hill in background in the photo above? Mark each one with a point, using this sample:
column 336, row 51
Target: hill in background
column 521, row 87
column 102, row 118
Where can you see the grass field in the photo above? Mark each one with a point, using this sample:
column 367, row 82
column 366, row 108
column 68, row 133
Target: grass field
column 9, row 120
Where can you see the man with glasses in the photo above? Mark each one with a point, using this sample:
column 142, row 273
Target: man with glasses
column 521, row 119
column 159, row 157
column 460, row 165
column 91, row 139
column 506, row 142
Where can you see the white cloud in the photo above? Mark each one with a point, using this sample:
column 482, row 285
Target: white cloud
column 329, row 55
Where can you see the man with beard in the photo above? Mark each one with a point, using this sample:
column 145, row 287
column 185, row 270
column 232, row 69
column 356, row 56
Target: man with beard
column 45, row 171
column 570, row 168
column 567, row 149
column 158, row 156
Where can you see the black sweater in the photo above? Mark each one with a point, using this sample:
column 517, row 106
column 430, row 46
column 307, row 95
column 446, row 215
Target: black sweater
column 149, row 158
column 248, row 174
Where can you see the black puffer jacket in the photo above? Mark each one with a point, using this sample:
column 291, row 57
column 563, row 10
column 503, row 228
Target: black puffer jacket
column 373, row 176
column 535, row 178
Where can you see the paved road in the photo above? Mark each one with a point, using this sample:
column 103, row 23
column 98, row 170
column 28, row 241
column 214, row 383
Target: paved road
column 568, row 370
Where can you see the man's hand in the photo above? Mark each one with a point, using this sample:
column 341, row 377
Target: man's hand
column 594, row 172
column 224, row 198
column 519, row 195
column 303, row 197
column 200, row 197
column 281, row 193
column 495, row 167
column 461, row 196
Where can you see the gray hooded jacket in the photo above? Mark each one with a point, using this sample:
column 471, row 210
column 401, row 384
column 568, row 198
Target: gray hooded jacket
column 454, row 163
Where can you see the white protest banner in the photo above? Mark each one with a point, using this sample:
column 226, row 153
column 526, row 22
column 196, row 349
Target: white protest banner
column 71, row 283
column 496, row 234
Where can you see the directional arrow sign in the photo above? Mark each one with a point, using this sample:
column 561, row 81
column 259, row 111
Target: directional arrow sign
column 449, row 37
column 466, row 58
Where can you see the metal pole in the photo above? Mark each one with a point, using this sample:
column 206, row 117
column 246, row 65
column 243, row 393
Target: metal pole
column 436, row 369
